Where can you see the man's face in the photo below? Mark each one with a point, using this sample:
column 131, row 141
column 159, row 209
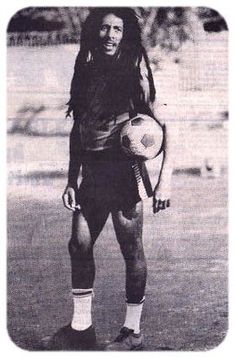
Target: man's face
column 111, row 34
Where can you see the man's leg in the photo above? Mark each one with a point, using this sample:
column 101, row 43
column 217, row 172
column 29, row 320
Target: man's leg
column 86, row 227
column 128, row 225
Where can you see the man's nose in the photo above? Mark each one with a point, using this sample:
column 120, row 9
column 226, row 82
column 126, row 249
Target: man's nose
column 111, row 33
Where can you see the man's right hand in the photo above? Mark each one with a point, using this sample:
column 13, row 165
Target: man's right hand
column 69, row 199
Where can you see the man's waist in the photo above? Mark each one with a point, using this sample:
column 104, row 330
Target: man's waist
column 109, row 154
column 102, row 135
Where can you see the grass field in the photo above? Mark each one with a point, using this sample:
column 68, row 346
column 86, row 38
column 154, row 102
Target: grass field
column 186, row 249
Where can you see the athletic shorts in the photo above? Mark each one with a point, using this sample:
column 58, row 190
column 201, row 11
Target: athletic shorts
column 109, row 178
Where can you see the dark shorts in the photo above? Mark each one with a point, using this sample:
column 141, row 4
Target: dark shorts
column 108, row 179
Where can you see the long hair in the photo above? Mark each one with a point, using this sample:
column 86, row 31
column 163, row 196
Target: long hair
column 131, row 48
column 131, row 41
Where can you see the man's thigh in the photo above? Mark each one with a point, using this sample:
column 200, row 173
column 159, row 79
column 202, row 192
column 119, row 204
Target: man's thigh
column 128, row 223
column 88, row 223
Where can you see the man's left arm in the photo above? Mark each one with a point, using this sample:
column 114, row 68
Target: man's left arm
column 162, row 188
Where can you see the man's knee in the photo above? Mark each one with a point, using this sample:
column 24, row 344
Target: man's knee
column 79, row 248
column 136, row 264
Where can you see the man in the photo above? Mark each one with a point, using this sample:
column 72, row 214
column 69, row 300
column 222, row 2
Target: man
column 112, row 82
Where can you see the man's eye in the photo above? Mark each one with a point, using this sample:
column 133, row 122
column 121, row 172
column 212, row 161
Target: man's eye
column 103, row 28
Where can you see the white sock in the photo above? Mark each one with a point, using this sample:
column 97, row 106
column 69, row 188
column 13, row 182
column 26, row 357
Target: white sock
column 81, row 308
column 133, row 315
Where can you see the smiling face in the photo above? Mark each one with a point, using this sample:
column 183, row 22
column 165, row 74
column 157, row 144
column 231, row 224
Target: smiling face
column 111, row 34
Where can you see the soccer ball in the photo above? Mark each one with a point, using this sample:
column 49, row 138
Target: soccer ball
column 142, row 136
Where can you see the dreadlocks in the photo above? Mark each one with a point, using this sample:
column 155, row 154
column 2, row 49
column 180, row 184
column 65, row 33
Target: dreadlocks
column 130, row 53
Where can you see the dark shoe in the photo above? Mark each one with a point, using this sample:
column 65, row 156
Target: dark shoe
column 67, row 338
column 127, row 340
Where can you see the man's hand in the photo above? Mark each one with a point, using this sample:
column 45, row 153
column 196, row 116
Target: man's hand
column 69, row 199
column 161, row 197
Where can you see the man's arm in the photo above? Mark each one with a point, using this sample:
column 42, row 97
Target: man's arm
column 162, row 188
column 75, row 153
column 74, row 89
column 145, row 89
column 74, row 156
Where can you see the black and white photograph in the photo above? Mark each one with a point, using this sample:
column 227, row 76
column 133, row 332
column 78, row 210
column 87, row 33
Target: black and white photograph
column 117, row 178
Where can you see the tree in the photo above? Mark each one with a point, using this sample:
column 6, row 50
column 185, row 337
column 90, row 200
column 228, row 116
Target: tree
column 167, row 27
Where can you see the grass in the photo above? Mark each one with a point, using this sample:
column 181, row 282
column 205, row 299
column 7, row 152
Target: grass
column 186, row 250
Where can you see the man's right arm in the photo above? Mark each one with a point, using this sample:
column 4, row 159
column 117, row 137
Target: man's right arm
column 74, row 168
column 74, row 156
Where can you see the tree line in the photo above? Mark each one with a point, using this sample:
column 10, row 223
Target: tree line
column 167, row 27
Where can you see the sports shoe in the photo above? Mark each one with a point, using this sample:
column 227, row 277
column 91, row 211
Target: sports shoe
column 67, row 338
column 127, row 340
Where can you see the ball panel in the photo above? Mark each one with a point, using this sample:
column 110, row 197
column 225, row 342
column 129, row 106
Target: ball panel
column 126, row 141
column 148, row 140
column 137, row 121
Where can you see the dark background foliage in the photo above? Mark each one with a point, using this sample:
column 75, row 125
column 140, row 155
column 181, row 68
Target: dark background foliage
column 167, row 26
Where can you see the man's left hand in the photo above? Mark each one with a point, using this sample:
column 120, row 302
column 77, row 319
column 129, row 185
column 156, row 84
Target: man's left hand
column 161, row 198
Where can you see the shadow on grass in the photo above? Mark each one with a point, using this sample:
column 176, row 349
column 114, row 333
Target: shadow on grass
column 188, row 171
column 41, row 174
column 36, row 178
column 26, row 130
column 57, row 174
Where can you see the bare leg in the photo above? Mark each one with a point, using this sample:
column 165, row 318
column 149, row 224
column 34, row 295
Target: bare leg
column 128, row 225
column 86, row 227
